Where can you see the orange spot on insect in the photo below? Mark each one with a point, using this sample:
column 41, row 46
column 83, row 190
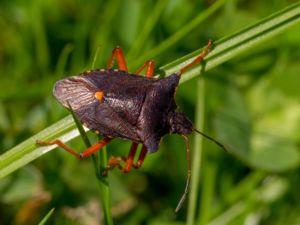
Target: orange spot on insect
column 99, row 95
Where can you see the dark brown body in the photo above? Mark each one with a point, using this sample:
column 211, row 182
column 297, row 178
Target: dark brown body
column 136, row 108
column 117, row 104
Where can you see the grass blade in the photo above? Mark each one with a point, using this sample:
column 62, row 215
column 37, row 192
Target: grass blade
column 231, row 46
column 104, row 189
column 197, row 153
column 27, row 151
column 181, row 33
column 148, row 27
column 224, row 50
column 103, row 183
column 46, row 218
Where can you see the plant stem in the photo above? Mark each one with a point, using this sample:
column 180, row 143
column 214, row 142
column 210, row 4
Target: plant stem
column 224, row 50
column 233, row 45
column 197, row 153
column 104, row 189
column 181, row 33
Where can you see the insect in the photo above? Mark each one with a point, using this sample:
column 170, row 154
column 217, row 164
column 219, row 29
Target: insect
column 117, row 104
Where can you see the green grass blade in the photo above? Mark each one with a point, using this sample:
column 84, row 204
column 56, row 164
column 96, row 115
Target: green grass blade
column 233, row 45
column 63, row 58
column 103, row 183
column 207, row 196
column 231, row 213
column 148, row 27
column 46, row 218
column 100, row 165
column 104, row 189
column 85, row 139
column 80, row 128
column 95, row 57
column 224, row 50
column 28, row 150
column 197, row 153
column 40, row 37
column 181, row 33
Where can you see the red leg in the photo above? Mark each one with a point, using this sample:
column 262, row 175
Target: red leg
column 141, row 158
column 129, row 162
column 198, row 59
column 119, row 55
column 116, row 161
column 87, row 152
column 112, row 163
column 100, row 144
column 130, row 158
column 149, row 65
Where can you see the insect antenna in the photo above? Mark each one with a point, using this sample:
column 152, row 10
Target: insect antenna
column 187, row 185
column 211, row 139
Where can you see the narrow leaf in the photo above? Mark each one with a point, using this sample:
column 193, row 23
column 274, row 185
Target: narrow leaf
column 224, row 50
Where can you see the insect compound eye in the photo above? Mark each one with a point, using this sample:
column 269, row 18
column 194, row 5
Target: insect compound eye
column 180, row 124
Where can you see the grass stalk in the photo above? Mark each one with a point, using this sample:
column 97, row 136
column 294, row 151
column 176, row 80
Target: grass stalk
column 181, row 33
column 197, row 153
column 46, row 218
column 148, row 27
column 207, row 191
column 99, row 166
column 233, row 45
column 224, row 50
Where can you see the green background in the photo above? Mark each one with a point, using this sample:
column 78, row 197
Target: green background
column 250, row 103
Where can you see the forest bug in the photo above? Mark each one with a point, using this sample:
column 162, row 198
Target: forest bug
column 118, row 104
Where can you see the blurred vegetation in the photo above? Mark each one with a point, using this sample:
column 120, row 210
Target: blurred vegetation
column 250, row 103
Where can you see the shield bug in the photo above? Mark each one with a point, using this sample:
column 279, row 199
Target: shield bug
column 117, row 104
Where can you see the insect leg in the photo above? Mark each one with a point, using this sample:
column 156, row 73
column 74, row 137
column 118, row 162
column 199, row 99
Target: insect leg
column 115, row 161
column 198, row 59
column 112, row 163
column 84, row 154
column 129, row 161
column 130, row 158
column 60, row 144
column 141, row 158
column 149, row 65
column 95, row 147
column 119, row 55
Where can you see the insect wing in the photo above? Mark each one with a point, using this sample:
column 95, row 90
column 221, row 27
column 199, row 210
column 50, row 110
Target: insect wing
column 79, row 93
column 99, row 116
column 76, row 91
